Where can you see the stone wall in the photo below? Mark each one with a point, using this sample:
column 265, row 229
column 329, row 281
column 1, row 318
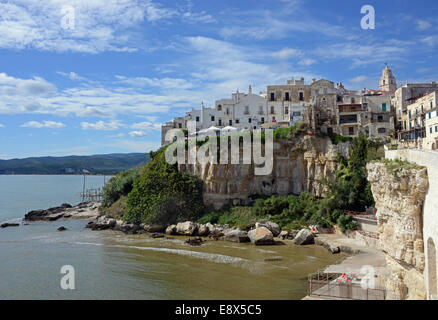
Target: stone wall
column 399, row 201
column 299, row 166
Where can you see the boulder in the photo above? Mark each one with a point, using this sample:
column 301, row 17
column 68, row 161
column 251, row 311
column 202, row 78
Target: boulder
column 305, row 236
column 331, row 248
column 155, row 228
column 51, row 214
column 203, row 230
column 187, row 228
column 194, row 242
column 5, row 225
column 271, row 226
column 171, row 230
column 103, row 223
column 62, row 228
column 157, row 236
column 261, row 236
column 283, row 235
column 237, row 236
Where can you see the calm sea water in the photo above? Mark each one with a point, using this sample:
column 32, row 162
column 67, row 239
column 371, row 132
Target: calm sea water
column 110, row 265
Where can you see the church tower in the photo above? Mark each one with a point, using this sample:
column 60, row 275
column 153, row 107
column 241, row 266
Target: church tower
column 387, row 81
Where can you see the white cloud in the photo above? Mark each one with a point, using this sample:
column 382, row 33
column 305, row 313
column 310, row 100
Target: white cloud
column 72, row 76
column 44, row 124
column 1, row 125
column 99, row 25
column 423, row 25
column 287, row 53
column 101, row 125
column 25, row 87
column 137, row 134
column 146, row 126
column 307, row 62
column 430, row 40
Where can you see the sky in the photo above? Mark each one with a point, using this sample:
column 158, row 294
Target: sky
column 80, row 77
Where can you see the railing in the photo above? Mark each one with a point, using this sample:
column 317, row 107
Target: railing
column 342, row 286
column 92, row 195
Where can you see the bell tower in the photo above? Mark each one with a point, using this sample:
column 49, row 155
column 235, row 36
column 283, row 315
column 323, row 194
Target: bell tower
column 387, row 80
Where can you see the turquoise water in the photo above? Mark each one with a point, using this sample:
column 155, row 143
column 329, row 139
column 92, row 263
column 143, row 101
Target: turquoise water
column 111, row 265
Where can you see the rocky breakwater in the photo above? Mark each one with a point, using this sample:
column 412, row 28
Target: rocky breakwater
column 299, row 165
column 399, row 194
column 65, row 211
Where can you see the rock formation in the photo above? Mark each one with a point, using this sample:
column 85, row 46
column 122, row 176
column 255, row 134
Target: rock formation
column 299, row 166
column 399, row 201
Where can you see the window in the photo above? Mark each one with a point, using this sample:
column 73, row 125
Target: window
column 430, row 129
column 431, row 104
column 422, row 108
column 237, row 121
column 410, row 115
column 381, row 130
column 219, row 107
column 230, row 122
column 430, row 115
column 228, row 111
column 286, row 110
column 380, row 118
column 180, row 125
column 350, row 131
column 301, row 96
column 220, row 123
column 353, row 101
column 263, row 120
column 246, row 110
column 272, row 110
column 212, row 118
column 384, row 107
column 436, row 128
column 286, row 96
column 272, row 96
column 249, row 120
column 197, row 119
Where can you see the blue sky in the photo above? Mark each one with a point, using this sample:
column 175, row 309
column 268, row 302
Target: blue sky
column 106, row 84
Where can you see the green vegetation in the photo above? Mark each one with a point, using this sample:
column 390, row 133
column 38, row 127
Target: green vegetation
column 119, row 185
column 97, row 164
column 338, row 138
column 294, row 131
column 164, row 195
column 396, row 166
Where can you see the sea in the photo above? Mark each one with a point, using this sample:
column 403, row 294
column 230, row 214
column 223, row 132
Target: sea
column 111, row 265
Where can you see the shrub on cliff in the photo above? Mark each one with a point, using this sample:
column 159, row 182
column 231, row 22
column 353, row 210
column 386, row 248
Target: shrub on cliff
column 119, row 185
column 162, row 194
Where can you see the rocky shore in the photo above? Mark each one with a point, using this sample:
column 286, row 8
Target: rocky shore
column 65, row 211
column 262, row 233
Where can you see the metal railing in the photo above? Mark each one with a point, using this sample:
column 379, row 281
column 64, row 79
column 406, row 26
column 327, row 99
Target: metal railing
column 329, row 285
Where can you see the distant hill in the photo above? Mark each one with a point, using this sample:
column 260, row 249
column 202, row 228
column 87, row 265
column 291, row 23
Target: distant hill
column 95, row 164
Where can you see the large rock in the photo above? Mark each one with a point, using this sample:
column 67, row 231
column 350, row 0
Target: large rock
column 6, row 225
column 187, row 228
column 330, row 247
column 271, row 226
column 203, row 230
column 261, row 236
column 171, row 230
column 155, row 228
column 305, row 236
column 102, row 223
column 237, row 236
column 51, row 214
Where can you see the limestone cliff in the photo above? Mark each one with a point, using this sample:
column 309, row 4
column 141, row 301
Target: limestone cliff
column 299, row 166
column 399, row 201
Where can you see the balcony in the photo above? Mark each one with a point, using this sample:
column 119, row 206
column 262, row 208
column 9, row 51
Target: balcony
column 349, row 108
column 352, row 119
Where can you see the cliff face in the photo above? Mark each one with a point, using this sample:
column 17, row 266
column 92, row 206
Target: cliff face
column 299, row 166
column 399, row 201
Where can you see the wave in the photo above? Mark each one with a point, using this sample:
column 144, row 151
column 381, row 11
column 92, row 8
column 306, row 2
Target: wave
column 252, row 266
